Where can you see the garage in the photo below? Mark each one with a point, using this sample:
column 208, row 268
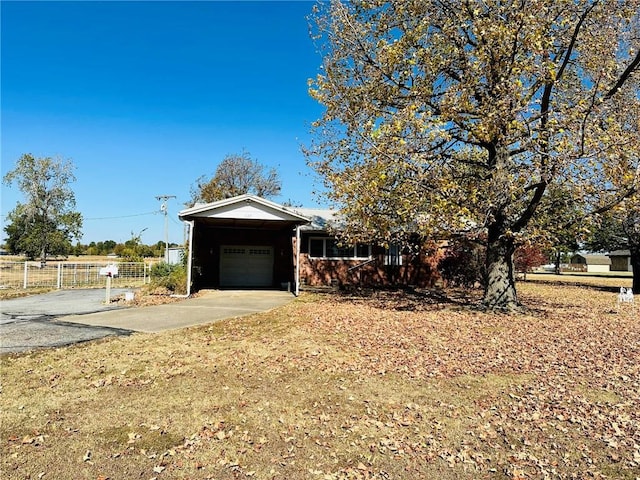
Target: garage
column 242, row 242
column 246, row 266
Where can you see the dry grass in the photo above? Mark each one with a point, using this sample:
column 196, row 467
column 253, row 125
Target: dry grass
column 605, row 281
column 383, row 386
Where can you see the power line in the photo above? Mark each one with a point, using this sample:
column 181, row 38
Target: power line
column 124, row 216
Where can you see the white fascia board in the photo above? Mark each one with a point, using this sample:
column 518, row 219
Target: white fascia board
column 243, row 207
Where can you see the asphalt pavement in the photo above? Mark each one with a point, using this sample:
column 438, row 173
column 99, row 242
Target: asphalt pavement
column 65, row 317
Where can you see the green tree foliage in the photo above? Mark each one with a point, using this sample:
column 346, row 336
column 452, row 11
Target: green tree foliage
column 46, row 222
column 619, row 228
column 444, row 116
column 237, row 174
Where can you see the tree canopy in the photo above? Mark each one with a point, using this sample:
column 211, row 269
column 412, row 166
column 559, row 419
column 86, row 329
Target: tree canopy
column 237, row 174
column 447, row 116
column 619, row 229
column 46, row 222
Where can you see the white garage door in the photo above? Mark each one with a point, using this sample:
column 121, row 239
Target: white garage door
column 246, row 266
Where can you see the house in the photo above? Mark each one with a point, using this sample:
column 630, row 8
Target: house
column 592, row 263
column 247, row 241
column 620, row 261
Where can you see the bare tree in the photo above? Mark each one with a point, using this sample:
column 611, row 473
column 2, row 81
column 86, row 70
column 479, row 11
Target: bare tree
column 237, row 174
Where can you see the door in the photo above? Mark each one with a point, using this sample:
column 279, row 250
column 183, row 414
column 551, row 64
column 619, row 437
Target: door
column 246, row 266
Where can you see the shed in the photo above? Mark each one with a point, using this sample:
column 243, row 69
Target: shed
column 592, row 263
column 620, row 261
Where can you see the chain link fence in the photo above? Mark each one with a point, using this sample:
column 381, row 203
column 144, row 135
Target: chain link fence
column 16, row 275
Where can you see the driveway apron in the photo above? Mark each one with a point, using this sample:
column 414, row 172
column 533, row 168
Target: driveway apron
column 72, row 316
column 209, row 307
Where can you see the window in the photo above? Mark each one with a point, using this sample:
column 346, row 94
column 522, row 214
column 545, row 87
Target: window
column 316, row 247
column 393, row 255
column 329, row 248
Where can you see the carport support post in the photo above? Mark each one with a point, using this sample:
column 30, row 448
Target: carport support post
column 191, row 224
column 297, row 288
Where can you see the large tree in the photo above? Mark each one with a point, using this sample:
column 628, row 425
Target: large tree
column 445, row 115
column 46, row 222
column 237, row 174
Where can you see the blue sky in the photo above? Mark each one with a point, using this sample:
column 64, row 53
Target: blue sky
column 145, row 97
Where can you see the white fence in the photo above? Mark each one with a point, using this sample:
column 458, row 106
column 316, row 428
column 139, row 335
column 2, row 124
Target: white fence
column 71, row 275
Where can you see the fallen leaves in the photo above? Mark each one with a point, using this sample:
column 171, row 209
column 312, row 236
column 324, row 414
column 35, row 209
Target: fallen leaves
column 568, row 354
column 389, row 386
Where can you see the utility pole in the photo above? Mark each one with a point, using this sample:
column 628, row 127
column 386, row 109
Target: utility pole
column 165, row 210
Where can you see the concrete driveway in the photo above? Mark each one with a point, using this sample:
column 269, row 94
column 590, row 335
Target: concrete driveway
column 66, row 317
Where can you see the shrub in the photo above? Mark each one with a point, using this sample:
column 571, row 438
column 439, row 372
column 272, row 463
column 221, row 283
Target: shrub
column 171, row 277
column 463, row 264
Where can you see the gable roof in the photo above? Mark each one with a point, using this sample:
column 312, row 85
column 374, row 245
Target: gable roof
column 243, row 207
column 594, row 259
column 620, row 253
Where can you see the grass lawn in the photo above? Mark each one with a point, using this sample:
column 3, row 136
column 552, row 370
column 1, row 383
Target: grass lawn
column 388, row 386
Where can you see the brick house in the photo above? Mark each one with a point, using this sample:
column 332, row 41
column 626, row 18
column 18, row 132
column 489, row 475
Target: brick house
column 250, row 242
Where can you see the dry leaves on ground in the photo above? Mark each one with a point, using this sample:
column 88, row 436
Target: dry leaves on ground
column 384, row 385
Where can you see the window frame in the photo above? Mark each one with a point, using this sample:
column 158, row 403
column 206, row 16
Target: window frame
column 393, row 255
column 326, row 246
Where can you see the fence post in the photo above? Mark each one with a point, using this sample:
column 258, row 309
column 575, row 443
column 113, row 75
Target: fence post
column 26, row 268
column 59, row 275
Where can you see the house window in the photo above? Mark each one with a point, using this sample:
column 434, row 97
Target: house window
column 393, row 255
column 329, row 248
column 316, row 247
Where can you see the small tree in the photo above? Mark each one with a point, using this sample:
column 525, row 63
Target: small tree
column 46, row 223
column 237, row 174
column 528, row 257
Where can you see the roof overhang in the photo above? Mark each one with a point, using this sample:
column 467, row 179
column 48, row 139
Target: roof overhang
column 244, row 211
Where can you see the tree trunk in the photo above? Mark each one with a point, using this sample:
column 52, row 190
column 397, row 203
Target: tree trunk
column 500, row 289
column 557, row 264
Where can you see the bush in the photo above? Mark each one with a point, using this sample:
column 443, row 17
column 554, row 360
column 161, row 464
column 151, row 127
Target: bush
column 463, row 264
column 171, row 277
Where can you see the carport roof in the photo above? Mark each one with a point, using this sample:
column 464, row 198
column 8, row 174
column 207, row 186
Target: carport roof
column 247, row 210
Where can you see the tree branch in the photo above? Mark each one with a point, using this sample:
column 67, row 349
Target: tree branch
column 631, row 68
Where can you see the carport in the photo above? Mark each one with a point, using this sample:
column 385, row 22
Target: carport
column 242, row 242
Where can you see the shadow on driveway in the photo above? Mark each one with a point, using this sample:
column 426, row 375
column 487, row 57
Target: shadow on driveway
column 34, row 321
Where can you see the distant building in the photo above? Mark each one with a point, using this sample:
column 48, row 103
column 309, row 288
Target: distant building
column 592, row 263
column 620, row 261
column 176, row 254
